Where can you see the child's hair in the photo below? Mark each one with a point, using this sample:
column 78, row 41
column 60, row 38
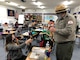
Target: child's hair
column 8, row 40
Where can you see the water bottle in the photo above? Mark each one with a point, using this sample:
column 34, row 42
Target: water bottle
column 47, row 45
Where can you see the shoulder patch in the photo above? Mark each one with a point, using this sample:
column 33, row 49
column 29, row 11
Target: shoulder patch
column 70, row 22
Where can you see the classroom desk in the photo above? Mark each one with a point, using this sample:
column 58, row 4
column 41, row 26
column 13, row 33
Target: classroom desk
column 78, row 35
column 38, row 30
column 28, row 57
column 6, row 33
column 11, row 29
column 25, row 34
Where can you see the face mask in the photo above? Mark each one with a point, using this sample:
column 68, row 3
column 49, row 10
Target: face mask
column 59, row 16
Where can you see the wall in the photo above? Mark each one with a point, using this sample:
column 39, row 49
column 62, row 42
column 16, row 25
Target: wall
column 3, row 15
column 77, row 10
column 5, row 18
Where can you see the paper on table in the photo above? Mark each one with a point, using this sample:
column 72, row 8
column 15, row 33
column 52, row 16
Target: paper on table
column 34, row 56
column 26, row 33
column 39, row 51
column 38, row 29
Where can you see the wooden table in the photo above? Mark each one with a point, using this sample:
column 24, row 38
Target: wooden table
column 11, row 29
column 28, row 57
column 11, row 32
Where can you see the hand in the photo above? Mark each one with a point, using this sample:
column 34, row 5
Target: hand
column 41, row 33
column 28, row 41
column 52, row 29
column 13, row 37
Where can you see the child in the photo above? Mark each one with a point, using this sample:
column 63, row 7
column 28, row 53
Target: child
column 14, row 49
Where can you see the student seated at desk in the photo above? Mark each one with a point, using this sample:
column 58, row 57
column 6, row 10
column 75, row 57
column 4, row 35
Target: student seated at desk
column 33, row 25
column 16, row 25
column 5, row 26
column 51, row 22
column 14, row 49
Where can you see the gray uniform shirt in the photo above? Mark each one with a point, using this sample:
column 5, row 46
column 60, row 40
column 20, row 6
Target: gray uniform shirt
column 65, row 29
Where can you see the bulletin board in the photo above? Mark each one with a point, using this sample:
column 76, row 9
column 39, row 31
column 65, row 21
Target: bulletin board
column 10, row 12
column 34, row 16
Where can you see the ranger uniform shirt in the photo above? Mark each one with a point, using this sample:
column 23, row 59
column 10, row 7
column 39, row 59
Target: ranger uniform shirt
column 65, row 29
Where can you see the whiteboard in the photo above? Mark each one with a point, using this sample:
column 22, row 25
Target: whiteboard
column 21, row 19
column 3, row 15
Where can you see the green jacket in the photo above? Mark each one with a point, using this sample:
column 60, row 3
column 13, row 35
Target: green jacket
column 65, row 29
column 45, row 34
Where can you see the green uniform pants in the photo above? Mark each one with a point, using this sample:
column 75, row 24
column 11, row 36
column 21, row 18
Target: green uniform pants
column 64, row 50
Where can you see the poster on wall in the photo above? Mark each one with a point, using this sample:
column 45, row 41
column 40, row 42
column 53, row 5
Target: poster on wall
column 47, row 18
column 11, row 12
column 21, row 19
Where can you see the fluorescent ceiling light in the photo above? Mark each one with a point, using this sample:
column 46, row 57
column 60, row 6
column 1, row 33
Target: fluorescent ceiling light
column 12, row 3
column 33, row 0
column 42, row 7
column 67, row 2
column 15, row 4
column 2, row 0
column 37, row 3
column 22, row 7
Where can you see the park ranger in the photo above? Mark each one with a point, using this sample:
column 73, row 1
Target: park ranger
column 64, row 33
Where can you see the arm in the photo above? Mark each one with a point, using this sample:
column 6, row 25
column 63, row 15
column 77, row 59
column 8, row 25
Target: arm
column 14, row 46
column 20, row 41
